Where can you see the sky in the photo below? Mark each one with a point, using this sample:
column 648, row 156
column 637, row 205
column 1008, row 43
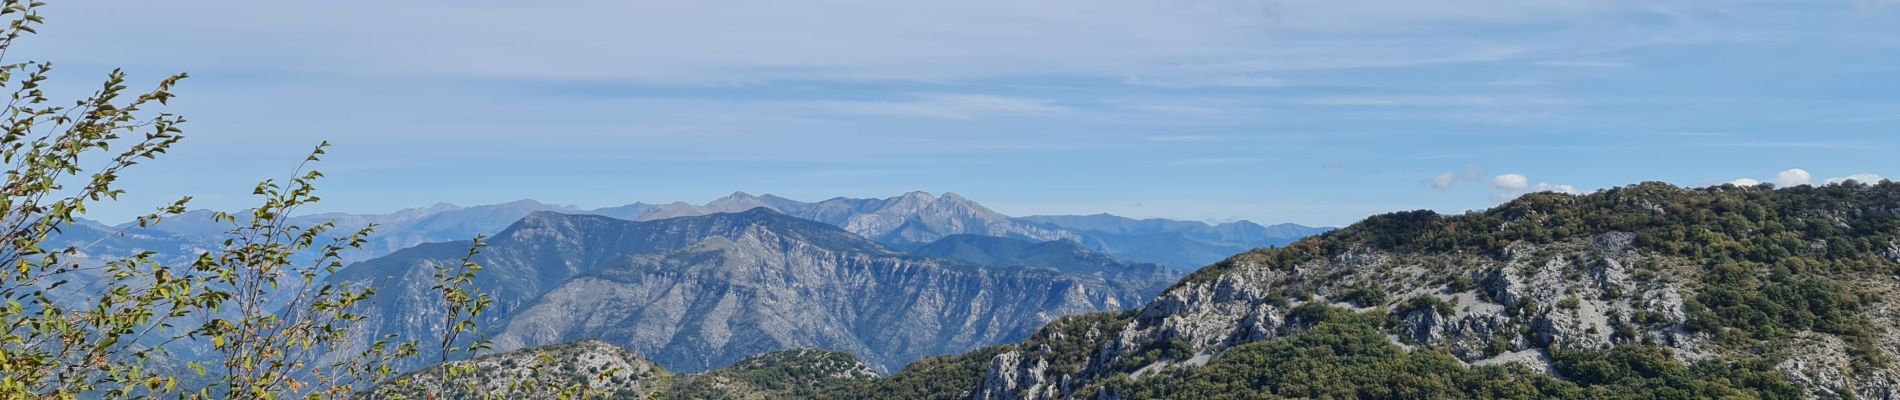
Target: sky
column 1312, row 112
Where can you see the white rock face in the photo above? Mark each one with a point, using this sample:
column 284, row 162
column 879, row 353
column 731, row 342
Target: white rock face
column 1468, row 331
column 584, row 362
column 1534, row 359
column 1010, row 371
column 1823, row 367
column 1530, row 300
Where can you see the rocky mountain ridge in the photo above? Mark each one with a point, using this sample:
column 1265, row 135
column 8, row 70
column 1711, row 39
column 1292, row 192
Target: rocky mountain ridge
column 916, row 218
column 1645, row 291
column 695, row 293
column 903, row 221
column 1785, row 280
column 597, row 369
column 1062, row 255
column 908, row 219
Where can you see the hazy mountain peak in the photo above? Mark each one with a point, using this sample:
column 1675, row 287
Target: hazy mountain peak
column 1066, row 243
column 736, row 202
column 953, row 200
column 739, row 195
column 918, row 217
column 524, row 203
column 759, row 213
column 916, row 197
column 420, row 211
column 1065, row 255
column 539, row 219
column 629, row 212
column 543, row 216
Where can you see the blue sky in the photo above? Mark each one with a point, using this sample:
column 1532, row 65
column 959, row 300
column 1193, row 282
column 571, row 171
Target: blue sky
column 1316, row 112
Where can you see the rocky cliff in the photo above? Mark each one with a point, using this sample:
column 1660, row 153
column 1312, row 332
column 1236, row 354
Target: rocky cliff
column 1788, row 287
column 695, row 293
column 714, row 302
column 594, row 369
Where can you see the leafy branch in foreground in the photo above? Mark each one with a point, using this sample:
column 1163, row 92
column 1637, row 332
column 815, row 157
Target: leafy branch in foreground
column 252, row 318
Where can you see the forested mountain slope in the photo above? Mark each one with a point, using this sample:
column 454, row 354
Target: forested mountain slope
column 1643, row 291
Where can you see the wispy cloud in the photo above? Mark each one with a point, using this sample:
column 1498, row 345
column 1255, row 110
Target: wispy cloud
column 1432, row 101
column 942, row 106
column 767, row 92
column 1209, row 81
column 1444, row 181
column 1517, row 82
column 1793, row 145
column 1582, row 64
column 871, row 172
column 1187, row 139
column 1210, row 161
column 1215, row 43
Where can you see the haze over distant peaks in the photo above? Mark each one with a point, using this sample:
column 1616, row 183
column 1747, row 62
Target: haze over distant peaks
column 903, row 221
column 913, row 217
column 701, row 292
column 916, row 218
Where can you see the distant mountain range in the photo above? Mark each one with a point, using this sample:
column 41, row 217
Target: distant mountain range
column 394, row 231
column 912, row 218
column 903, row 221
column 918, row 217
column 700, row 292
column 696, row 287
column 1636, row 292
column 1642, row 291
column 1231, row 232
column 1062, row 255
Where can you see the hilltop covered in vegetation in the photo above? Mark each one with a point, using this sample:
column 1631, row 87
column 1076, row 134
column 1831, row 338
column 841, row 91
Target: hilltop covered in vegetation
column 1645, row 291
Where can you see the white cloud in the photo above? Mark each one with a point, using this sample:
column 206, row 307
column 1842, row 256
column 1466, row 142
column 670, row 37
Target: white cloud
column 1793, row 177
column 1510, row 186
column 1444, row 181
column 1510, row 182
column 1545, row 187
column 1796, row 177
column 1860, row 177
column 1448, row 179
